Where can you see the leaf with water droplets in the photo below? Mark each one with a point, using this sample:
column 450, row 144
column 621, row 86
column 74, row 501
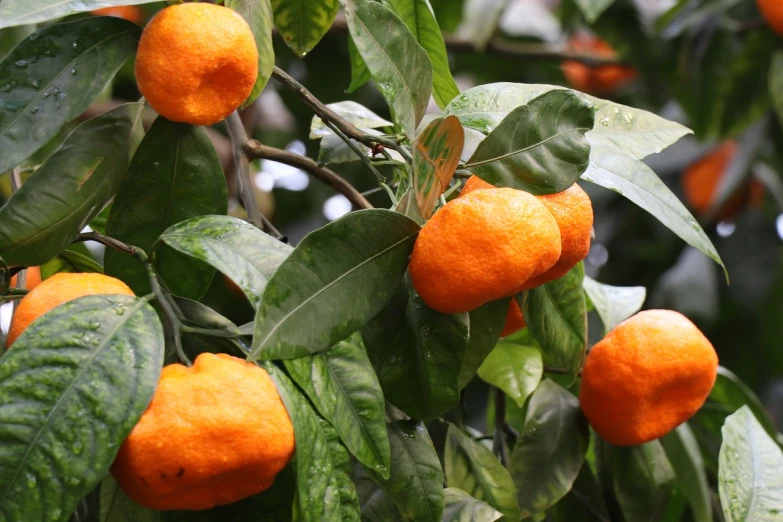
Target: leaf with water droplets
column 302, row 24
column 71, row 388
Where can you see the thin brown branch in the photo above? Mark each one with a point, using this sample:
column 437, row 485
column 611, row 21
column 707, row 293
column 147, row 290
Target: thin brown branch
column 502, row 47
column 256, row 150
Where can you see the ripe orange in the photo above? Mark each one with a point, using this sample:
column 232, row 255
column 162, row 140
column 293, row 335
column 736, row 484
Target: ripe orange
column 481, row 247
column 515, row 321
column 599, row 80
column 650, row 374
column 213, row 434
column 57, row 290
column 196, row 62
column 130, row 13
column 32, row 279
column 772, row 11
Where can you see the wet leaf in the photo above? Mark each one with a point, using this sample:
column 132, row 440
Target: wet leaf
column 436, row 152
column 258, row 15
column 486, row 324
column 643, row 480
column 514, row 368
column 684, row 455
column 302, row 24
column 461, row 507
column 614, row 304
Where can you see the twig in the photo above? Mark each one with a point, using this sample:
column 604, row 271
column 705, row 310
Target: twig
column 255, row 149
column 362, row 156
column 327, row 114
column 499, row 440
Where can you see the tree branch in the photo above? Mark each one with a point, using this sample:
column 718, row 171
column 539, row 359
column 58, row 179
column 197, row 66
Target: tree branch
column 257, row 150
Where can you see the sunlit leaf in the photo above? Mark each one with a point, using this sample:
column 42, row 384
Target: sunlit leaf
column 514, row 368
column 614, row 304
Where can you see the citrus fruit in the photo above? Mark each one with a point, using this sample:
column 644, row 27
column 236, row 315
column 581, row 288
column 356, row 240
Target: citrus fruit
column 57, row 290
column 32, row 278
column 772, row 11
column 651, row 373
column 214, row 433
column 130, row 13
column 196, row 62
column 481, row 247
column 601, row 79
column 515, row 320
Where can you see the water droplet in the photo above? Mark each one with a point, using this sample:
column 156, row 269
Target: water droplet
column 31, row 481
column 33, row 110
column 119, row 310
column 45, row 95
column 35, row 84
column 21, row 64
column 75, row 45
column 616, row 110
column 94, row 325
column 605, row 122
column 628, row 117
column 73, row 72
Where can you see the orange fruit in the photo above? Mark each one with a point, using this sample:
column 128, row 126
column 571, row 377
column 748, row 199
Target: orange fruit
column 57, row 290
column 650, row 374
column 772, row 11
column 130, row 13
column 515, row 321
column 32, row 279
column 598, row 80
column 214, row 433
column 481, row 247
column 196, row 62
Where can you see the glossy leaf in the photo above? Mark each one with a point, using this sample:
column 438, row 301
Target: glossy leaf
column 342, row 385
column 302, row 24
column 415, row 484
column 69, row 189
column 486, row 324
column 614, row 304
column 436, row 152
column 71, row 389
column 397, row 63
column 461, row 507
column 69, row 261
column 174, row 176
column 355, row 113
column 356, row 261
column 417, row 353
column 643, row 480
column 775, row 82
column 376, row 506
column 480, row 20
column 473, row 468
column 637, row 182
column 53, row 76
column 585, row 501
column 556, row 315
column 539, row 147
column 684, row 455
column 317, row 481
column 258, row 15
column 117, row 507
column 236, row 248
column 592, row 9
column 731, row 391
column 349, row 499
column 550, row 450
column 514, row 368
column 418, row 16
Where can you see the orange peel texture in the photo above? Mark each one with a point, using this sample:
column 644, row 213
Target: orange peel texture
column 130, row 13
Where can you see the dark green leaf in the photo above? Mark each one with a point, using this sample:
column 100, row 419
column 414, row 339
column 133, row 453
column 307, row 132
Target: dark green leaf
column 550, row 450
column 53, row 76
column 592, row 9
column 418, row 16
column 69, row 189
column 614, row 304
column 69, row 261
column 302, row 23
column 355, row 261
column 258, row 15
column 349, row 499
column 71, row 389
column 342, row 385
column 556, row 315
column 436, row 152
column 584, row 502
column 486, row 324
column 236, row 248
column 416, row 480
column 513, row 368
column 202, row 316
column 539, row 147
column 750, row 477
column 776, row 83
column 417, row 353
column 397, row 63
column 684, row 455
column 360, row 74
column 117, row 507
column 376, row 505
column 174, row 176
column 473, row 468
column 461, row 507
column 643, row 481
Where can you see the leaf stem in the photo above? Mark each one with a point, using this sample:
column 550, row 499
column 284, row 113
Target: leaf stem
column 499, row 440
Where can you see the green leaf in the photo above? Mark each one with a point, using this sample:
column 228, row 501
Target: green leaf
column 539, row 147
column 750, row 481
column 349, row 499
column 684, row 455
column 71, row 389
column 481, row 19
column 352, row 112
column 436, row 152
column 69, row 189
column 375, row 504
column 342, row 385
column 317, row 481
column 556, row 315
column 513, row 368
column 775, row 82
column 201, row 316
column 418, row 16
column 53, row 76
column 461, row 507
column 20, row 12
column 258, row 15
column 585, row 501
column 397, row 63
column 355, row 261
column 636, row 181
column 474, row 469
column 69, row 261
column 360, row 74
column 417, row 353
column 302, row 24
column 643, row 481
column 117, row 507
column 614, row 304
column 415, row 484
column 236, row 248
column 486, row 324
column 174, row 176
column 592, row 9
column 550, row 450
